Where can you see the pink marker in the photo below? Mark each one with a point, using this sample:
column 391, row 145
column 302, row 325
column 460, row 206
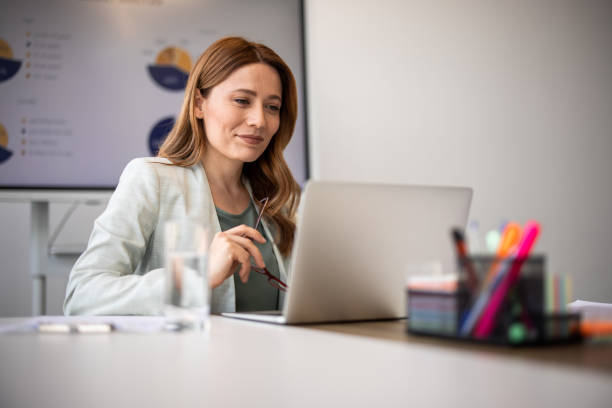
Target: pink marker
column 487, row 321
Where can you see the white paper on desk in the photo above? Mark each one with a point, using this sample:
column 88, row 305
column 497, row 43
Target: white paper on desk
column 592, row 310
column 131, row 324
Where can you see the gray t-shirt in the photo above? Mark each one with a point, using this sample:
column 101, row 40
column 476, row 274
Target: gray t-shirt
column 257, row 293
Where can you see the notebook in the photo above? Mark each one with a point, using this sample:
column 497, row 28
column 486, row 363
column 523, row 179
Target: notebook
column 356, row 245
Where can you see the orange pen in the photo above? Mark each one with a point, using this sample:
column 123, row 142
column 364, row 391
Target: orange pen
column 509, row 239
column 594, row 328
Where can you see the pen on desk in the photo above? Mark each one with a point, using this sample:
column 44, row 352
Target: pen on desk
column 596, row 328
column 53, row 328
column 464, row 261
column 88, row 328
column 85, row 328
column 486, row 323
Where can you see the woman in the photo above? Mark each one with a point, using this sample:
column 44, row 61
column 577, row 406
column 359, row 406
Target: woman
column 224, row 154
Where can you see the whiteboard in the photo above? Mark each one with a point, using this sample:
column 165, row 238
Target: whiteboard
column 87, row 85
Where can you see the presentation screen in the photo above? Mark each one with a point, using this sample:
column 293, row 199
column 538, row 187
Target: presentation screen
column 87, row 85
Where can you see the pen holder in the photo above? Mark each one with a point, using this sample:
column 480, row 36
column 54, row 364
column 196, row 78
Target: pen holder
column 455, row 312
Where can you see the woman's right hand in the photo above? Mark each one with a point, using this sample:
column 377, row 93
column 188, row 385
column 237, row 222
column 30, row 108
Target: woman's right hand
column 231, row 248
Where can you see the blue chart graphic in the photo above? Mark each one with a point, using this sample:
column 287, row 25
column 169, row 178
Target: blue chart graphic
column 168, row 77
column 171, row 68
column 5, row 153
column 8, row 68
column 158, row 134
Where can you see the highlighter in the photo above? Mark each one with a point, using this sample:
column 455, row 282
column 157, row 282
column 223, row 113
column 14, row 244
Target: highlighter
column 487, row 321
column 509, row 239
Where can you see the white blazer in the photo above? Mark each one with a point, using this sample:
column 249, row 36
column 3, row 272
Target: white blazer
column 121, row 271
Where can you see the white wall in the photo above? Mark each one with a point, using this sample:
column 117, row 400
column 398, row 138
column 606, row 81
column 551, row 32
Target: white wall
column 513, row 98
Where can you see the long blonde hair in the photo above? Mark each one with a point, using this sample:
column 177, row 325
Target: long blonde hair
column 269, row 175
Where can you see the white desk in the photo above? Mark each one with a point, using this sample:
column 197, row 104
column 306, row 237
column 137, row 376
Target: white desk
column 254, row 364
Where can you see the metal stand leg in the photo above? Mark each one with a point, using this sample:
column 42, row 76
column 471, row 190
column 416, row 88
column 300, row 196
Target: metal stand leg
column 39, row 236
column 39, row 295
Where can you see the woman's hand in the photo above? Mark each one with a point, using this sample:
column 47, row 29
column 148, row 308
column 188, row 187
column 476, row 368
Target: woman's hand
column 232, row 248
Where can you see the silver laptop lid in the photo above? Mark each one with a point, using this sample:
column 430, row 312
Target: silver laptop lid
column 356, row 243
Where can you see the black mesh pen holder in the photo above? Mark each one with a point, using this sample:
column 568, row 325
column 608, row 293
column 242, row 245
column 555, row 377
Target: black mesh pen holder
column 520, row 320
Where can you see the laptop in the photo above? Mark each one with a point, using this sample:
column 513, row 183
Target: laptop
column 356, row 244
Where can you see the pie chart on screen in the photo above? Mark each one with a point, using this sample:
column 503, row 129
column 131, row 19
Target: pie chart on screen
column 5, row 153
column 8, row 65
column 158, row 134
column 171, row 68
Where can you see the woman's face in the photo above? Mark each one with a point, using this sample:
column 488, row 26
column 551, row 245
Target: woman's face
column 242, row 113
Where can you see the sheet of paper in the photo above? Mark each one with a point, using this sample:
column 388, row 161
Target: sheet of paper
column 592, row 310
column 132, row 324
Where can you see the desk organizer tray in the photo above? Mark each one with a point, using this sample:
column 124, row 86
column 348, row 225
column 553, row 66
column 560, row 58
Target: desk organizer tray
column 448, row 309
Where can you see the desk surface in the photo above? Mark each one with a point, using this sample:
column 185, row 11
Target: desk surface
column 243, row 363
column 590, row 357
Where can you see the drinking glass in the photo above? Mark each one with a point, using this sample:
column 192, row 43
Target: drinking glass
column 186, row 289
